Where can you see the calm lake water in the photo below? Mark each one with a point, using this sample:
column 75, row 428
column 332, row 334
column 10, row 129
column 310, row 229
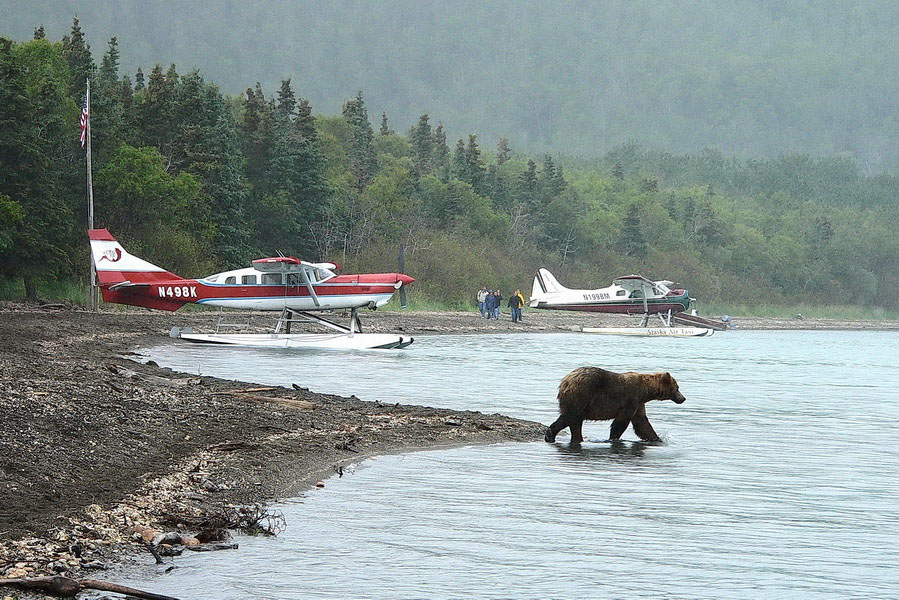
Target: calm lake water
column 778, row 478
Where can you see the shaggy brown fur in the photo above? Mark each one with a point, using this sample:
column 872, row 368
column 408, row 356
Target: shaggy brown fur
column 599, row 395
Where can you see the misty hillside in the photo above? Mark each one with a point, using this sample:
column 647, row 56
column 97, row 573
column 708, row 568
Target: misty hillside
column 751, row 79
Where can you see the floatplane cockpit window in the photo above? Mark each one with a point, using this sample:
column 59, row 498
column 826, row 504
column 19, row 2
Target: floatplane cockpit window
column 315, row 276
column 248, row 280
column 212, row 278
column 620, row 293
column 636, row 294
column 231, row 279
column 271, row 279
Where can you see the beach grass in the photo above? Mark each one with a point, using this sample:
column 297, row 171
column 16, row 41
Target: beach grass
column 842, row 312
column 50, row 290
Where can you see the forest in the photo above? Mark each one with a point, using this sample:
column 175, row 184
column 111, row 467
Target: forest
column 196, row 180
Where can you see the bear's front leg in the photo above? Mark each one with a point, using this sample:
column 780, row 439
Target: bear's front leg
column 642, row 426
column 559, row 424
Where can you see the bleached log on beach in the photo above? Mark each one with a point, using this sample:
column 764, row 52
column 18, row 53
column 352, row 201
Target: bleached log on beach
column 130, row 374
column 69, row 588
column 245, row 391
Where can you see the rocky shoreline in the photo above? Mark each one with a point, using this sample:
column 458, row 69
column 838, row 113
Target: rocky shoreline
column 101, row 454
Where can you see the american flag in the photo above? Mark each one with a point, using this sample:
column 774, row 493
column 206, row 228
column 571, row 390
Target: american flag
column 83, row 121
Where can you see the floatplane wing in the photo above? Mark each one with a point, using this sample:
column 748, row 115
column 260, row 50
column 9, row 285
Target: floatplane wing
column 284, row 283
column 629, row 295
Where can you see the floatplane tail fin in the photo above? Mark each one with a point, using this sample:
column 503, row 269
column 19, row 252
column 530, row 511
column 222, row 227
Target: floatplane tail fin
column 120, row 274
column 545, row 283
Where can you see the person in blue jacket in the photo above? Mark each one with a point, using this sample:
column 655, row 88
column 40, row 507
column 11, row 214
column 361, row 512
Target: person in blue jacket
column 490, row 304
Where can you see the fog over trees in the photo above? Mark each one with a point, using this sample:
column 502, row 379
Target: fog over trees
column 753, row 79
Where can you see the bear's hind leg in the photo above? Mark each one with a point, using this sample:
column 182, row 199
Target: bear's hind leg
column 559, row 424
column 618, row 427
column 643, row 428
column 575, row 427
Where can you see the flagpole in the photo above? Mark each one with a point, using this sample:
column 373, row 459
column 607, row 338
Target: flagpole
column 94, row 299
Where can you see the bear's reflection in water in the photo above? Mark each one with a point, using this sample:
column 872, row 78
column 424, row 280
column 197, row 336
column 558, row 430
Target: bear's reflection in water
column 614, row 449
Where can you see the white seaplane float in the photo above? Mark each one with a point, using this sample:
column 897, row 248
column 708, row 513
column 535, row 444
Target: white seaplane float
column 629, row 295
column 294, row 287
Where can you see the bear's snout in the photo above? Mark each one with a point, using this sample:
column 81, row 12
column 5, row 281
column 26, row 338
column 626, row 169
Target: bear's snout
column 679, row 398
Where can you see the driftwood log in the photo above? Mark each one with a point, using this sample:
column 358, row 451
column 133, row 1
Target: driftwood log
column 68, row 588
column 250, row 394
column 131, row 374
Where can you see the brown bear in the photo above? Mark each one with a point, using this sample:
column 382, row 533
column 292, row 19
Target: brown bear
column 599, row 395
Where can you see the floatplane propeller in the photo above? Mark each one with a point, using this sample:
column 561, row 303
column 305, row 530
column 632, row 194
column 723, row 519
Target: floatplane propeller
column 295, row 287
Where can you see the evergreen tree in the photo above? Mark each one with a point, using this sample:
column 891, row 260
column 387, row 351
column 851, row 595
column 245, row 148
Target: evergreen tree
column 107, row 112
column 77, row 53
column 126, row 98
column 708, row 227
column 138, row 80
column 256, row 141
column 39, row 33
column 546, row 182
column 155, row 111
column 304, row 125
column 459, row 164
column 618, row 171
column 422, row 139
column 632, row 241
column 649, row 185
column 503, row 151
column 363, row 161
column 385, row 126
column 475, row 168
column 671, row 206
column 37, row 149
column 526, row 188
column 689, row 216
column 287, row 101
column 498, row 189
column 207, row 146
column 558, row 183
column 441, row 154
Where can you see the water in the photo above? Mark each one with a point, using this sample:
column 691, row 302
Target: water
column 778, row 479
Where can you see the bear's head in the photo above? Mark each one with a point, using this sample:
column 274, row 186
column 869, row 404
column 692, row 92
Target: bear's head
column 670, row 390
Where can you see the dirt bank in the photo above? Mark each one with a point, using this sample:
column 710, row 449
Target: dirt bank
column 95, row 445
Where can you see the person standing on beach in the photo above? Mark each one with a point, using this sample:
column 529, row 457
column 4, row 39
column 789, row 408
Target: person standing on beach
column 515, row 303
column 482, row 301
column 490, row 304
column 497, row 304
column 521, row 309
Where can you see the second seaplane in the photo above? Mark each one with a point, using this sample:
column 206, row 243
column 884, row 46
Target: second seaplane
column 629, row 295
column 294, row 287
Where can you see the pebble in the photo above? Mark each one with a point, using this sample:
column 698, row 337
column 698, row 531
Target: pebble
column 320, row 484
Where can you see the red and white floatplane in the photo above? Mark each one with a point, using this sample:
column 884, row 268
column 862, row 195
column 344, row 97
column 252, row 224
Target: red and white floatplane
column 629, row 295
column 292, row 286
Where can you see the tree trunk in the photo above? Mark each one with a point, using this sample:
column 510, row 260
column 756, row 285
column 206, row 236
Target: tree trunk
column 30, row 289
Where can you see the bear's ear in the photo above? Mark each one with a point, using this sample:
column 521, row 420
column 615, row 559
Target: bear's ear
column 666, row 377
